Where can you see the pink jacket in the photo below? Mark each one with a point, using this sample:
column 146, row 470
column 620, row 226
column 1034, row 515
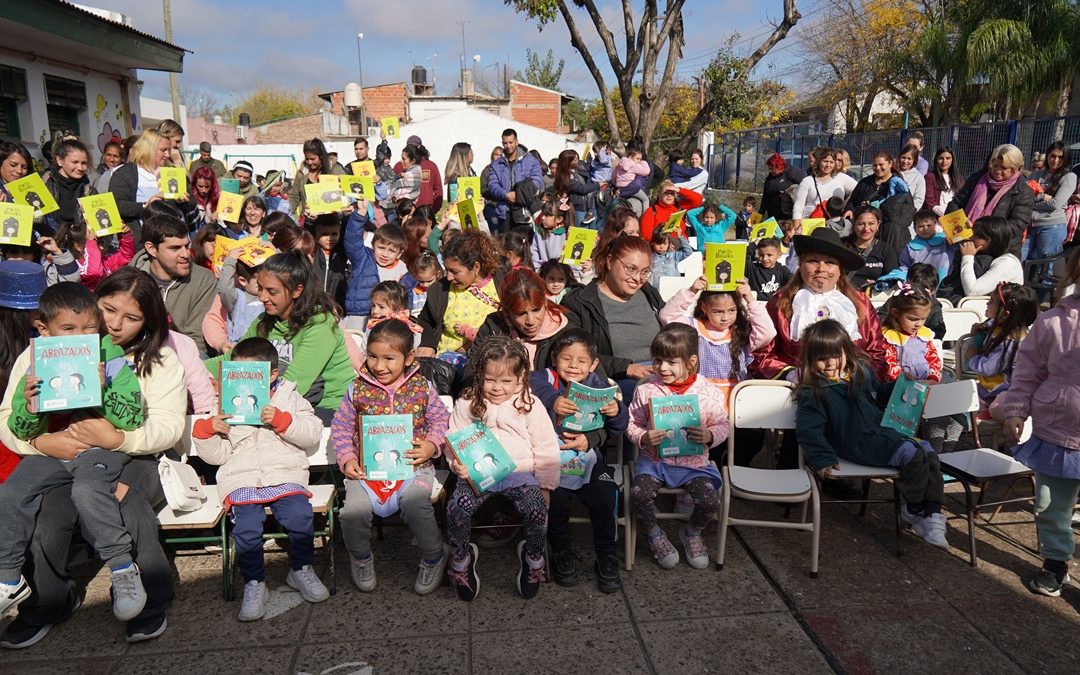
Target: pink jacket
column 680, row 309
column 1046, row 376
column 200, row 386
column 713, row 417
column 628, row 169
column 97, row 268
column 214, row 328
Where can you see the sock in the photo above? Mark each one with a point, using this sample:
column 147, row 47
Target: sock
column 460, row 565
column 655, row 533
column 120, row 568
column 693, row 531
column 433, row 561
column 534, row 563
column 1059, row 568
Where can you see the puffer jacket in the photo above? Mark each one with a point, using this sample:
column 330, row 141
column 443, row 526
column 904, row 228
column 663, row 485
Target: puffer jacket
column 710, row 404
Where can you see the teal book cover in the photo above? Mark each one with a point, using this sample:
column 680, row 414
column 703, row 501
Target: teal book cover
column 68, row 368
column 383, row 442
column 245, row 390
column 904, row 412
column 588, row 401
column 675, row 414
column 482, row 454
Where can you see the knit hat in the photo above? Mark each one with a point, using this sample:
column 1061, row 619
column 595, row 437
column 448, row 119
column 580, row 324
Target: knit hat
column 204, row 147
column 243, row 165
column 414, row 140
column 21, row 284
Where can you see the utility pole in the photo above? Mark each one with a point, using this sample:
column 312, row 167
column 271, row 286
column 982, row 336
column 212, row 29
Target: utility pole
column 173, row 91
column 462, row 24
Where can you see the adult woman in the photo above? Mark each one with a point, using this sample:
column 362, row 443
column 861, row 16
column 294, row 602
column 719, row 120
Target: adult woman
column 570, row 182
column 459, row 165
column 111, row 157
column 206, row 190
column 525, row 314
column 68, row 181
column 619, row 309
column 15, row 163
column 878, row 257
column 620, row 221
column 407, row 184
column 252, row 215
column 485, row 175
column 982, row 262
column 778, row 183
column 135, row 316
column 843, row 161
column 135, row 184
column 998, row 190
column 907, row 164
column 824, row 183
column 1048, row 224
column 670, row 200
column 879, row 185
column 175, row 133
column 316, row 163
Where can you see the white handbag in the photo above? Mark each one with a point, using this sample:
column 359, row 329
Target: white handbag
column 183, row 489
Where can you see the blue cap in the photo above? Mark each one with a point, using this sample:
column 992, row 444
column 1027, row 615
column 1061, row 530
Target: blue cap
column 21, row 284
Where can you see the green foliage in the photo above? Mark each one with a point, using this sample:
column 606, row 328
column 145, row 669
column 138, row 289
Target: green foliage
column 542, row 73
column 267, row 104
column 543, row 11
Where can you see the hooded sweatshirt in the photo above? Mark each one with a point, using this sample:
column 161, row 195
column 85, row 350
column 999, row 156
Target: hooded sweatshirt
column 187, row 299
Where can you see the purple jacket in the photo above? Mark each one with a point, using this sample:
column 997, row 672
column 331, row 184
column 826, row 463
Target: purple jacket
column 1046, row 376
column 934, row 251
column 500, row 181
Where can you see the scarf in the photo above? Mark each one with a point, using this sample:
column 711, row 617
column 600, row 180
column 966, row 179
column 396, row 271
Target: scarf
column 401, row 315
column 679, row 388
column 67, row 194
column 808, row 308
column 977, row 206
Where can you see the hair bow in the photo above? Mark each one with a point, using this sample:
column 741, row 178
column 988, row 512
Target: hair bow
column 564, row 203
column 905, row 289
column 401, row 315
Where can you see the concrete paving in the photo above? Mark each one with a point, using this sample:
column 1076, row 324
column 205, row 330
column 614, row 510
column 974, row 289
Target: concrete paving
column 868, row 611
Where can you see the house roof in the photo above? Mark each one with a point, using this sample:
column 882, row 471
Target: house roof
column 326, row 95
column 566, row 96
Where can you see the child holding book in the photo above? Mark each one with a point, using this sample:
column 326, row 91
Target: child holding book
column 266, row 467
column 840, row 406
column 675, row 358
column 81, row 242
column 1012, row 309
column 549, row 234
column 238, row 289
column 390, row 383
column 501, row 399
column 585, row 474
column 710, row 224
column 911, row 349
column 928, row 246
column 766, row 274
column 364, row 271
column 921, row 275
column 668, row 250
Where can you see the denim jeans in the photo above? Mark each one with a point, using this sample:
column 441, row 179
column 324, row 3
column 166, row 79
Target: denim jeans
column 1043, row 241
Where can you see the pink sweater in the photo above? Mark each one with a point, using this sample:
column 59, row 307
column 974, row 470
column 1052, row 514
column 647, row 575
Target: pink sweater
column 200, row 386
column 713, row 417
column 97, row 268
column 628, row 169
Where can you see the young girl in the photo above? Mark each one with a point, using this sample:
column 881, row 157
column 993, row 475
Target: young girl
column 911, row 344
column 840, row 405
column 558, row 278
column 390, row 383
column 990, row 356
column 516, row 246
column 584, row 472
column 424, row 271
column 675, row 357
column 668, row 250
column 501, row 399
column 1046, row 371
column 549, row 233
column 81, row 242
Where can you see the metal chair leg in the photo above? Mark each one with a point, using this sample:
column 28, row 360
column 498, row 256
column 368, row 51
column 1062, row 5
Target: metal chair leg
column 865, row 496
column 226, row 563
column 969, row 504
column 896, row 519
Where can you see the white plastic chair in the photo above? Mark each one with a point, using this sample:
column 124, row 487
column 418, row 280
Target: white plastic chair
column 693, row 265
column 766, row 404
column 958, row 323
column 669, row 286
column 977, row 303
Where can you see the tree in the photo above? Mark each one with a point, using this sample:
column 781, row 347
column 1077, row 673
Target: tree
column 200, row 102
column 542, row 73
column 266, row 104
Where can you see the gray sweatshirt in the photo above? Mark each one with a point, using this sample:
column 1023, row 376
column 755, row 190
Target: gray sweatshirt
column 1052, row 211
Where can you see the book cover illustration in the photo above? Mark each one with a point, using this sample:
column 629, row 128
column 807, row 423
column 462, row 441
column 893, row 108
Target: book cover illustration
column 16, row 223
column 101, row 214
column 674, row 414
column 229, row 206
column 245, row 390
column 362, row 168
column 468, row 187
column 905, row 408
column 323, row 197
column 254, row 251
column 482, row 454
column 31, row 190
column 766, row 228
column 588, row 401
column 172, row 181
column 724, row 265
column 580, row 242
column 466, row 209
column 390, row 127
column 356, row 188
column 673, row 223
column 811, row 224
column 68, row 368
column 383, row 442
column 230, row 185
column 755, row 218
column 956, row 225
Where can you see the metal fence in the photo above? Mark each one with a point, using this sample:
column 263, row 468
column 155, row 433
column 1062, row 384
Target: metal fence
column 737, row 161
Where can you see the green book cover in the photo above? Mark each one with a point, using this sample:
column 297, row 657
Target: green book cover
column 482, row 454
column 68, row 368
column 904, row 412
column 231, row 185
column 588, row 401
column 245, row 390
column 674, row 414
column 383, row 442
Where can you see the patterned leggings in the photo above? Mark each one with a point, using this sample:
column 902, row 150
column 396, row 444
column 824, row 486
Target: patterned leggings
column 701, row 490
column 464, row 503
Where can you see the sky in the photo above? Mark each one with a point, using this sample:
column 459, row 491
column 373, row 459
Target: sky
column 239, row 45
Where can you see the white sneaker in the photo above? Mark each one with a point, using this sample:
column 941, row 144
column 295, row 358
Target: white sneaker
column 908, row 517
column 13, row 594
column 932, row 530
column 307, row 582
column 256, row 595
column 363, row 573
column 129, row 596
column 429, row 577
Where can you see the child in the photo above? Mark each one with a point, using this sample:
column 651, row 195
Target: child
column 558, row 279
column 549, row 234
column 742, row 218
column 788, row 258
column 921, row 275
column 266, row 467
column 630, row 175
column 766, row 274
column 364, row 272
column 911, row 343
column 390, row 383
column 82, row 244
column 68, row 309
column 668, row 251
column 424, row 271
column 840, row 405
column 709, row 226
column 500, row 398
column 1012, row 309
column 600, row 163
column 675, row 357
column 928, row 246
column 331, row 265
column 573, row 359
column 239, row 292
column 388, row 245
column 516, row 246
column 835, row 207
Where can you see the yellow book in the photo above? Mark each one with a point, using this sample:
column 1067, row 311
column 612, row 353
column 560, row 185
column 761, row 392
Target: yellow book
column 724, row 265
column 329, row 178
column 358, row 187
column 101, row 214
column 390, row 127
column 255, row 251
column 363, row 167
column 466, row 210
column 755, row 218
column 766, row 228
column 172, row 181
column 468, row 187
column 222, row 245
column 586, row 151
column 323, row 197
column 673, row 223
column 811, row 224
column 31, row 190
column 16, row 223
column 580, row 242
column 229, row 205
column 957, row 226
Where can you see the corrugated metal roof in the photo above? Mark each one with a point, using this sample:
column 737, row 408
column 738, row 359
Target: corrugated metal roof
column 117, row 24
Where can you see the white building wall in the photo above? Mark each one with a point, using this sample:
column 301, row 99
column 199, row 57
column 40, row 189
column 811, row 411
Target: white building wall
column 156, row 110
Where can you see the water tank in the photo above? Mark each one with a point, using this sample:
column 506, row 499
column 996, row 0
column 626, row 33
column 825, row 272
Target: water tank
column 354, row 96
column 419, row 75
column 218, row 119
column 245, row 120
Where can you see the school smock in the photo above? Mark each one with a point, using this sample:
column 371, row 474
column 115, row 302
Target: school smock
column 916, row 355
column 468, row 308
column 933, row 251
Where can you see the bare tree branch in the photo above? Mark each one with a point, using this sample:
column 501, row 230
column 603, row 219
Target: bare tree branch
column 579, row 45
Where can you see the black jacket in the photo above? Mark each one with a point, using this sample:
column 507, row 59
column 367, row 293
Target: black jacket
column 879, row 259
column 1016, row 207
column 774, row 188
column 332, row 280
column 584, row 310
column 124, row 185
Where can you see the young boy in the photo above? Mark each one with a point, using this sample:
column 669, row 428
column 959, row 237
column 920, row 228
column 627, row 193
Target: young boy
column 69, row 309
column 711, row 223
column 266, row 466
column 630, row 175
column 668, row 251
column 742, row 218
column 834, row 209
column 388, row 245
column 239, row 293
column 766, row 274
column 928, row 246
column 330, row 263
column 788, row 258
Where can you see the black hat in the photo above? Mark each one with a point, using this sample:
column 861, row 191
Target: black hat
column 826, row 241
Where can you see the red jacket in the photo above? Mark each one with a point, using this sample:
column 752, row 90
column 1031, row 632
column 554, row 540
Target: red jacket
column 431, row 189
column 658, row 213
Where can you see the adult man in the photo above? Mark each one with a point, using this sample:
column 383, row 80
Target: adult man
column 188, row 290
column 204, row 159
column 243, row 171
column 507, row 173
column 431, row 189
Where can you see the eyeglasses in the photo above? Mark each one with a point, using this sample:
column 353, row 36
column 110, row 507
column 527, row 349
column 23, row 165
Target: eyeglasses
column 634, row 272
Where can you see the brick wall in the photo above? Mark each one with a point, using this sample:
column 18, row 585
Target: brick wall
column 295, row 130
column 537, row 107
column 387, row 100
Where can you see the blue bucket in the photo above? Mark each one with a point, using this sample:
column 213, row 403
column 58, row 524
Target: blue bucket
column 21, row 284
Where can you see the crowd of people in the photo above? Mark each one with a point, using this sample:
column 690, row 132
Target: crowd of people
column 391, row 302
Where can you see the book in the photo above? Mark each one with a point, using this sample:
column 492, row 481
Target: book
column 586, row 154
column 356, row 188
column 363, row 168
column 755, row 218
column 231, row 185
column 466, row 209
column 172, row 181
column 16, row 223
column 323, row 197
column 222, row 246
column 580, row 242
column 329, row 178
column 245, row 390
column 724, row 264
column 229, row 206
column 68, row 368
column 811, row 224
column 905, row 408
column 468, row 187
column 383, row 442
column 673, row 223
column 101, row 214
column 390, row 127
column 956, row 225
column 254, row 251
column 766, row 228
column 31, row 190
column 674, row 414
column 482, row 454
column 588, row 400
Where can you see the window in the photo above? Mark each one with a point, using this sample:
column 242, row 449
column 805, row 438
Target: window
column 64, row 100
column 12, row 93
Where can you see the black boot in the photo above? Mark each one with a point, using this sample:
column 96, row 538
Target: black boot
column 607, row 573
column 564, row 567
